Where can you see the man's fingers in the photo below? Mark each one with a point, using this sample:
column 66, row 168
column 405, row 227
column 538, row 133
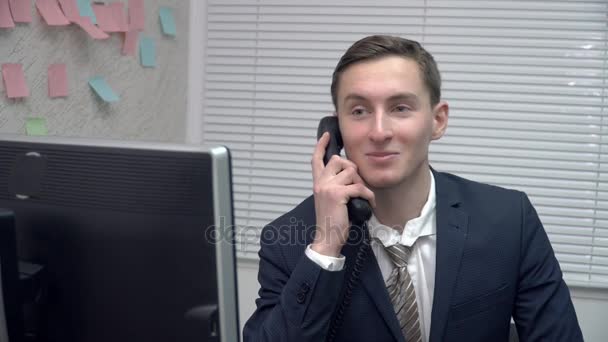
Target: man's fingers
column 347, row 163
column 340, row 171
column 357, row 178
column 337, row 164
column 347, row 176
column 317, row 156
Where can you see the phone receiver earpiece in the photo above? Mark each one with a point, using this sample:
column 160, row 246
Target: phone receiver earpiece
column 330, row 124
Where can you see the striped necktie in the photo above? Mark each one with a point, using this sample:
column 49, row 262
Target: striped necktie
column 402, row 294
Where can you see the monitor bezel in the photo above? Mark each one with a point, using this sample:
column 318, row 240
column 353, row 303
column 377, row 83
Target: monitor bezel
column 225, row 251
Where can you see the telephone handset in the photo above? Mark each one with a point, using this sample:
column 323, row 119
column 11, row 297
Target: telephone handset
column 359, row 210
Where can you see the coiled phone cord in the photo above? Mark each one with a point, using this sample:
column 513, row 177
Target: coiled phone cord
column 351, row 283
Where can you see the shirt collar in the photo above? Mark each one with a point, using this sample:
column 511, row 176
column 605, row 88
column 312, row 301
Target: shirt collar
column 422, row 225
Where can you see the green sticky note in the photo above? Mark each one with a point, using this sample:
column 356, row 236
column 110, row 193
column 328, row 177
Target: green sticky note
column 35, row 126
column 147, row 52
column 103, row 89
column 167, row 22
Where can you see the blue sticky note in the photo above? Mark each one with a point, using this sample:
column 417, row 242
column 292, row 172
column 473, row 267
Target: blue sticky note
column 147, row 52
column 86, row 10
column 103, row 89
column 167, row 21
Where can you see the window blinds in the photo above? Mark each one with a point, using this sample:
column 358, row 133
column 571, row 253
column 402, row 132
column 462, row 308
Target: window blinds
column 525, row 80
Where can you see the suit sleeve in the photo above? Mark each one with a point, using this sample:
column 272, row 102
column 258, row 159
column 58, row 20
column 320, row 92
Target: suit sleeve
column 543, row 308
column 294, row 305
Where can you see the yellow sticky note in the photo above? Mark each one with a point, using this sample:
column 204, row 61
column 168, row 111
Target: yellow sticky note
column 35, row 126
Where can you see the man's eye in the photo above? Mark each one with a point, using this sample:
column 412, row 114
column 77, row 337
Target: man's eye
column 402, row 108
column 358, row 111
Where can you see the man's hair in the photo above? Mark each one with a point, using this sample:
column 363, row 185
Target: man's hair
column 375, row 47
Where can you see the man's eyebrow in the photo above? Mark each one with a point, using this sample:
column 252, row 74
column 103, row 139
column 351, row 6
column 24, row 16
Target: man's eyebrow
column 404, row 97
column 354, row 97
column 399, row 96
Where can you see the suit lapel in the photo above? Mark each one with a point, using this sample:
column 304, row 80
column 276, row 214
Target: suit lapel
column 452, row 227
column 373, row 283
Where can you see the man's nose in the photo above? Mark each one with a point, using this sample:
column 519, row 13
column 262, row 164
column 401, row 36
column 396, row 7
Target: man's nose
column 382, row 128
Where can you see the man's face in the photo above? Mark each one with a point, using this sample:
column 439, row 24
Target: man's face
column 386, row 120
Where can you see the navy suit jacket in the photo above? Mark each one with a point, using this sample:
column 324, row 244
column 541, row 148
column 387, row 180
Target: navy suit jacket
column 494, row 261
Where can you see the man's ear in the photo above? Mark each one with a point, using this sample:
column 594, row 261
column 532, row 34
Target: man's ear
column 440, row 119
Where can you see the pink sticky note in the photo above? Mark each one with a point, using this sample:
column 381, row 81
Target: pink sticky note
column 136, row 15
column 70, row 9
column 50, row 11
column 93, row 31
column 118, row 13
column 6, row 20
column 130, row 44
column 105, row 21
column 22, row 10
column 58, row 80
column 14, row 80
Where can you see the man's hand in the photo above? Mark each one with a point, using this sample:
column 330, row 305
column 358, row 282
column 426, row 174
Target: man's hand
column 334, row 185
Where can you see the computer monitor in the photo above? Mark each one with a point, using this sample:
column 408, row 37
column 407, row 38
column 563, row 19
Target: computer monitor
column 11, row 314
column 127, row 241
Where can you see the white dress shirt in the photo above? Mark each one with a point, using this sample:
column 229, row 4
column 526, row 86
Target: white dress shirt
column 419, row 232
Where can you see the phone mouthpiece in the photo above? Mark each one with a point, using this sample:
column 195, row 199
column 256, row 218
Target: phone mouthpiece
column 359, row 211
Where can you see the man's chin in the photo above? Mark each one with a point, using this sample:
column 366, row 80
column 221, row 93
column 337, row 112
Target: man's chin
column 388, row 181
column 377, row 183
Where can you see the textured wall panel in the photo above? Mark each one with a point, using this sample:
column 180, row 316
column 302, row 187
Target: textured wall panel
column 153, row 100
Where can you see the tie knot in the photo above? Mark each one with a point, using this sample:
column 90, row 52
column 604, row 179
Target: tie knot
column 399, row 254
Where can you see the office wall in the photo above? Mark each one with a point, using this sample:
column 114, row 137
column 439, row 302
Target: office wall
column 153, row 101
column 592, row 309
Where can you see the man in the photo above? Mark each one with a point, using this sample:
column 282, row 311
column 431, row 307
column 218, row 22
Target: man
column 450, row 260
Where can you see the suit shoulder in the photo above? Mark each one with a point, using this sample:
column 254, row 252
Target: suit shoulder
column 303, row 211
column 481, row 191
column 301, row 217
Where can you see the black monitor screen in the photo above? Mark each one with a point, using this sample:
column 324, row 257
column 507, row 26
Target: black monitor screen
column 132, row 240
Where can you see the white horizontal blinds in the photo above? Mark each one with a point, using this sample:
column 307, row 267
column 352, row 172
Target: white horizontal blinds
column 269, row 68
column 230, row 97
column 269, row 175
column 525, row 81
column 599, row 256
